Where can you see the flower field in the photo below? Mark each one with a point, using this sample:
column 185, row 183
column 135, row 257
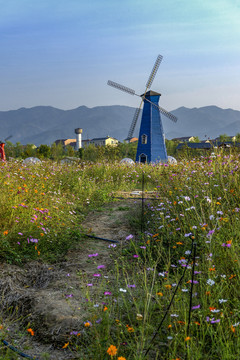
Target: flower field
column 172, row 289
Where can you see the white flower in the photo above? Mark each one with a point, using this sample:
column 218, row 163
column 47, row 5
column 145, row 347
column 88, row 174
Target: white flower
column 169, row 337
column 222, row 301
column 238, row 323
column 123, row 290
column 210, row 282
column 215, row 311
column 184, row 290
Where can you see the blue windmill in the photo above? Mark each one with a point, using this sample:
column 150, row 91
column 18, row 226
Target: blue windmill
column 151, row 142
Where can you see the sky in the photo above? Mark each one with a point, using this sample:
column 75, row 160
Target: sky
column 61, row 53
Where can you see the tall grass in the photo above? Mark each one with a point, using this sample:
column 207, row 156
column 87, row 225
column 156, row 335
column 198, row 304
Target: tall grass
column 159, row 299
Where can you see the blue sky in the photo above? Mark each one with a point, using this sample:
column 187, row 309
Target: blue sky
column 62, row 52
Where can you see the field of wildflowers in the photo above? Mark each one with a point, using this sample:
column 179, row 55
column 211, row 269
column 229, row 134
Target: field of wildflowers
column 172, row 291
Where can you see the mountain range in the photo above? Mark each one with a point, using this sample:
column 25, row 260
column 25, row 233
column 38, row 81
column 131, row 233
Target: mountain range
column 45, row 124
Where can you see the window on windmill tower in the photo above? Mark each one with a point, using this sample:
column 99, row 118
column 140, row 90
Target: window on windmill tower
column 144, row 139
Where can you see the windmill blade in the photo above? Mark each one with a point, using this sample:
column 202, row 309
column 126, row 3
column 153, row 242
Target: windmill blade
column 121, row 87
column 154, row 71
column 134, row 121
column 9, row 137
column 163, row 111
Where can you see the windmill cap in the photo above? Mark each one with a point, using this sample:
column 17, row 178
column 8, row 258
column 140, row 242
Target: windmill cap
column 151, row 93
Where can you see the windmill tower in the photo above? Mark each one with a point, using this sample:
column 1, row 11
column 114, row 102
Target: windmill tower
column 151, row 142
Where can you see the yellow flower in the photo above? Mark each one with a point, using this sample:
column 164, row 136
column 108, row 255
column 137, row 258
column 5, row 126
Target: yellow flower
column 112, row 350
column 139, row 317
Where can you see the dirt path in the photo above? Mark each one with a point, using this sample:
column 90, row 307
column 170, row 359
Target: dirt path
column 50, row 296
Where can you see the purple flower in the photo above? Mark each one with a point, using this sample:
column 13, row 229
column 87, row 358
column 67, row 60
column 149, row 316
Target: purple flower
column 135, row 256
column 69, row 296
column 129, row 237
column 131, row 286
column 74, row 332
column 107, row 293
column 91, row 255
column 196, row 307
column 97, row 275
column 101, row 267
column 143, row 247
column 89, row 284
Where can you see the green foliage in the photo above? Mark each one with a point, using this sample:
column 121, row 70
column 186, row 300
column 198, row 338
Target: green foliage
column 43, row 151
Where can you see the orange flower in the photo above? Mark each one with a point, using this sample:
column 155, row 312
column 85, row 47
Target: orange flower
column 121, row 358
column 31, row 331
column 159, row 293
column 212, row 269
column 168, row 286
column 211, row 308
column 197, row 323
column 155, row 235
column 65, row 345
column 5, row 232
column 105, row 308
column 207, row 292
column 112, row 350
column 187, row 338
column 179, row 243
column 87, row 324
column 233, row 329
column 129, row 328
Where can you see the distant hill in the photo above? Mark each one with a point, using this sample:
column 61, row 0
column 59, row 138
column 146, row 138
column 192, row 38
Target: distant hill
column 45, row 124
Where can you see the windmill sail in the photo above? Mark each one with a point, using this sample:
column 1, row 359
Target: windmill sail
column 121, row 87
column 154, row 71
column 163, row 111
column 134, row 121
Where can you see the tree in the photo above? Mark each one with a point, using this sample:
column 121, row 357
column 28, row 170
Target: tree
column 69, row 150
column 57, row 151
column 224, row 138
column 29, row 151
column 44, row 151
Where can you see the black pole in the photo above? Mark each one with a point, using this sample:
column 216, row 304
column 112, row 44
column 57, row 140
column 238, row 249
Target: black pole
column 191, row 291
column 142, row 220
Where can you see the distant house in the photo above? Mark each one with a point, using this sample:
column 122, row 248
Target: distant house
column 185, row 139
column 108, row 140
column 207, row 145
column 65, row 142
column 192, row 145
column 131, row 140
